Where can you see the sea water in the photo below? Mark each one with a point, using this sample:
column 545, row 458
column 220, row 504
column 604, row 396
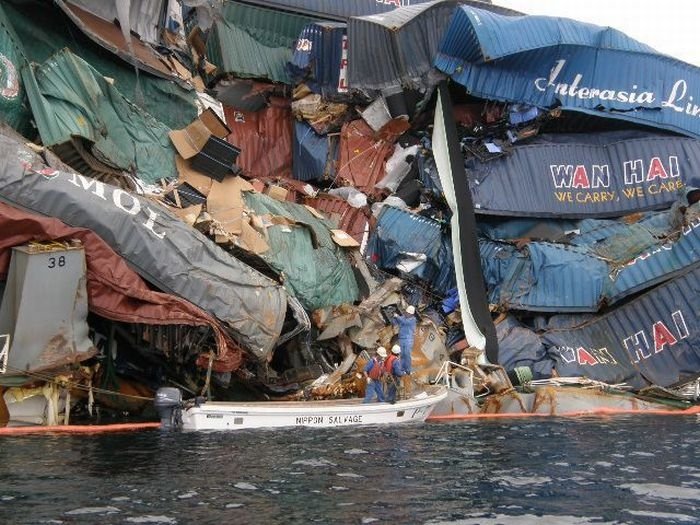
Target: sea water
column 616, row 470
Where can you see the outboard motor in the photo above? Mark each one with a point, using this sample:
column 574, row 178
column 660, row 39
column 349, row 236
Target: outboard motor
column 168, row 404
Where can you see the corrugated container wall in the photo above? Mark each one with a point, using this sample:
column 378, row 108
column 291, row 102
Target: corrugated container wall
column 253, row 42
column 264, row 137
column 556, row 62
column 414, row 245
column 585, row 175
column 654, row 339
column 310, row 153
column 396, row 48
column 318, row 58
column 13, row 107
column 552, row 278
column 362, row 157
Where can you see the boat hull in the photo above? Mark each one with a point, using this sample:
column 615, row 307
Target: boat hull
column 336, row 413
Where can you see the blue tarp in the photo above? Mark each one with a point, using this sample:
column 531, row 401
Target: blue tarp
column 309, row 153
column 547, row 62
column 320, row 58
column 586, row 175
column 415, row 245
column 654, row 339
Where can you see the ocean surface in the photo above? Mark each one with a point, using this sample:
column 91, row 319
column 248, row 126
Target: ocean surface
column 617, row 470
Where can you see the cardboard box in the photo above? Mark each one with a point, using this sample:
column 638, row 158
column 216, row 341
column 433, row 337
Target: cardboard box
column 258, row 185
column 225, row 203
column 276, row 192
column 252, row 239
column 314, row 212
column 203, row 142
column 342, row 238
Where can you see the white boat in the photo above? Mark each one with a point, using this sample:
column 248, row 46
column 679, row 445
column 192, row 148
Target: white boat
column 218, row 415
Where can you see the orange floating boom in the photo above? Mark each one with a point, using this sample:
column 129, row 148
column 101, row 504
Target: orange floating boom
column 78, row 429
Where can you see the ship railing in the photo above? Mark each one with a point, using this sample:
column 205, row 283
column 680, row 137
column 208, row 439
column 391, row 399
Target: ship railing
column 457, row 377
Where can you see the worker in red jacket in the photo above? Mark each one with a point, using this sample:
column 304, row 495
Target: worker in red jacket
column 393, row 371
column 374, row 370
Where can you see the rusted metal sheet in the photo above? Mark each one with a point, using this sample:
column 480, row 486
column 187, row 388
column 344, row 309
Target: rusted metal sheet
column 354, row 221
column 109, row 36
column 563, row 401
column 546, row 400
column 362, row 156
column 455, row 405
column 264, row 137
column 341, row 319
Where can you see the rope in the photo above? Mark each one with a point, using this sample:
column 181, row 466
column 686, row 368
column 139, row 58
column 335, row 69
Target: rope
column 74, row 385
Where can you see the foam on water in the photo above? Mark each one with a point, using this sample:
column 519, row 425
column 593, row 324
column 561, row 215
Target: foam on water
column 522, row 481
column 92, row 510
column 502, row 519
column 314, row 463
column 245, row 486
column 151, row 519
column 665, row 516
column 664, row 492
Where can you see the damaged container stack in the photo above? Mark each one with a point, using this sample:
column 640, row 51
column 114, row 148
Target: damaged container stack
column 271, row 180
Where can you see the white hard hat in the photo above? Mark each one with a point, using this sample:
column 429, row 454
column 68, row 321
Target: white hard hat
column 411, row 309
column 396, row 349
column 381, row 351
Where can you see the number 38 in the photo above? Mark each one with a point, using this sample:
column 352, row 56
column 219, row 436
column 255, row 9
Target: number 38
column 59, row 261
